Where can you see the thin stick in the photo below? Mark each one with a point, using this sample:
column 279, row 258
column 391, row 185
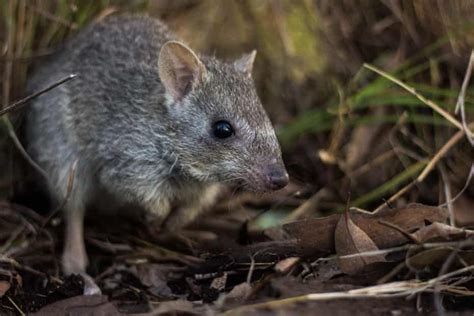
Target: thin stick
column 401, row 231
column 22, row 150
column 393, row 289
column 20, row 103
column 18, row 266
column 464, row 188
column 444, row 268
column 396, row 289
column 371, row 164
column 28, row 57
column 70, row 186
column 436, row 280
column 16, row 306
column 462, row 94
column 394, row 197
column 306, row 208
column 251, row 270
column 447, row 194
column 426, row 101
column 392, row 250
column 440, row 154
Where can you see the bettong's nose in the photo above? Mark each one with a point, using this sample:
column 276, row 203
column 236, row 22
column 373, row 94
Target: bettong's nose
column 276, row 176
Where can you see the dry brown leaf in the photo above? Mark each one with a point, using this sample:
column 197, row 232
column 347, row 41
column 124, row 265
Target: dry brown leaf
column 463, row 211
column 350, row 239
column 4, row 287
column 437, row 256
column 441, row 231
column 316, row 236
column 429, row 257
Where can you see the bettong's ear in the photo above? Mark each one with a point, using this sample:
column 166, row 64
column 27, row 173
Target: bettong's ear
column 180, row 69
column 245, row 63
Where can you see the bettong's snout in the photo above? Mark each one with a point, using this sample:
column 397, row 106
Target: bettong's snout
column 276, row 176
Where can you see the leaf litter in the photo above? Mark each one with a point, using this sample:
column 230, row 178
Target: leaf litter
column 356, row 248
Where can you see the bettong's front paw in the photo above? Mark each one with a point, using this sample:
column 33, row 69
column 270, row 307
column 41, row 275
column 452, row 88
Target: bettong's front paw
column 153, row 226
column 90, row 287
column 75, row 261
column 168, row 231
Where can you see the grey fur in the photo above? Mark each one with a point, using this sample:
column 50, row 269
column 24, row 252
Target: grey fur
column 134, row 144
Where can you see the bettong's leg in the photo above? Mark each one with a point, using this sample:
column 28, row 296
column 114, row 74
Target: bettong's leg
column 74, row 260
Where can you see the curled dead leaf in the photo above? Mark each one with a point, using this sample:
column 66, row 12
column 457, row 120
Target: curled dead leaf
column 351, row 239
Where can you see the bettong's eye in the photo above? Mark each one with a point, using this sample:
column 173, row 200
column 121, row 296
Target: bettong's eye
column 222, row 129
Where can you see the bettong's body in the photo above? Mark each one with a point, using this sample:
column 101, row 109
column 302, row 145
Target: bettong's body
column 149, row 123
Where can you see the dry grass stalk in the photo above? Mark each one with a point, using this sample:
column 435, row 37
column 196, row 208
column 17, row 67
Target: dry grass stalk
column 16, row 306
column 429, row 167
column 426, row 101
column 440, row 154
column 20, row 103
column 461, row 98
column 393, row 289
column 307, row 208
column 444, row 268
column 447, row 193
column 464, row 188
